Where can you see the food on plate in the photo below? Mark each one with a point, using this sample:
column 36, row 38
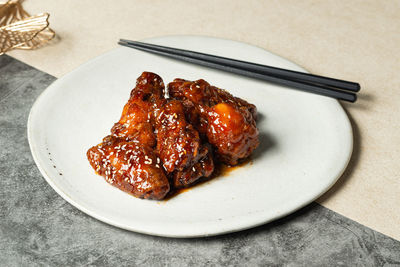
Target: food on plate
column 135, row 122
column 163, row 143
column 183, row 154
column 228, row 122
column 131, row 166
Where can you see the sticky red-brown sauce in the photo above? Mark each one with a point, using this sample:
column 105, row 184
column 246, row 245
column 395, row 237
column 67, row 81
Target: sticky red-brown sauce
column 220, row 171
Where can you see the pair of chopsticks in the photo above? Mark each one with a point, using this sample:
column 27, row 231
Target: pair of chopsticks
column 339, row 89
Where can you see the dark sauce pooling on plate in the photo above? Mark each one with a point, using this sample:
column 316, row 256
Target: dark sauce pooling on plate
column 221, row 170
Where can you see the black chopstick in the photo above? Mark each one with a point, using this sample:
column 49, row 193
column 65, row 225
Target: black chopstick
column 254, row 71
column 262, row 69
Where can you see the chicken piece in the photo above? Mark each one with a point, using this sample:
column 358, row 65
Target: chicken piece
column 232, row 131
column 130, row 166
column 228, row 122
column 226, row 97
column 179, row 145
column 135, row 122
column 203, row 168
column 200, row 94
column 178, row 142
column 139, row 131
column 126, row 159
column 196, row 98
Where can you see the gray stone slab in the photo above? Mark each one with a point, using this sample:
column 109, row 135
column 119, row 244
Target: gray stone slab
column 39, row 228
column 12, row 74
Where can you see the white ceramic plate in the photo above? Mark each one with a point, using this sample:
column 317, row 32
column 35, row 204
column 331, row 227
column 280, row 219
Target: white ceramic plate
column 306, row 143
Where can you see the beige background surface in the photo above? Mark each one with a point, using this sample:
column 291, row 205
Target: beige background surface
column 354, row 40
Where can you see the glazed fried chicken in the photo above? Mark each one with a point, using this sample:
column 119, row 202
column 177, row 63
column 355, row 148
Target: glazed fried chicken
column 129, row 166
column 228, row 122
column 160, row 144
column 200, row 94
column 232, row 131
column 126, row 158
column 152, row 145
column 177, row 141
column 135, row 122
column 179, row 145
column 204, row 167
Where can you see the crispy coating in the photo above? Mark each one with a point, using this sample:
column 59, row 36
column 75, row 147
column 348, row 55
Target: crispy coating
column 129, row 166
column 231, row 131
column 149, row 87
column 178, row 142
column 228, row 122
column 202, row 95
column 179, row 146
column 135, row 122
column 126, row 158
column 204, row 167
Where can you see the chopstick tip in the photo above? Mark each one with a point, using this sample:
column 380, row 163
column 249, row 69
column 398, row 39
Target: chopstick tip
column 358, row 87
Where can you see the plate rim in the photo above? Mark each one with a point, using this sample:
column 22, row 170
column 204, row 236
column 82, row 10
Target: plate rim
column 65, row 196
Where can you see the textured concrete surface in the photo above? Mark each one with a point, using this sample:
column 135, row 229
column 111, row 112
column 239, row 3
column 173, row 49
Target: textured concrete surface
column 39, row 228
